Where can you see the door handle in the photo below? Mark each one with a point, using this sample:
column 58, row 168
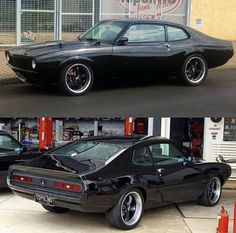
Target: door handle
column 167, row 46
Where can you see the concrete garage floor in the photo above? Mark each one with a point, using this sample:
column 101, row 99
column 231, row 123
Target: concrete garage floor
column 23, row 216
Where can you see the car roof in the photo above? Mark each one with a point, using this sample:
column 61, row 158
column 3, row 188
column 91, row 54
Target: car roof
column 132, row 20
column 125, row 141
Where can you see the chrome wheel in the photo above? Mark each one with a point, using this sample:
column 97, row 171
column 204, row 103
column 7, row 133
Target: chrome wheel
column 78, row 78
column 214, row 190
column 131, row 208
column 195, row 70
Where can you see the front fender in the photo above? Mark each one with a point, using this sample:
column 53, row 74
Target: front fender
column 74, row 60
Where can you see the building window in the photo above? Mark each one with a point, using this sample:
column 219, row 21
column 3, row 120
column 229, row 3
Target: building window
column 230, row 129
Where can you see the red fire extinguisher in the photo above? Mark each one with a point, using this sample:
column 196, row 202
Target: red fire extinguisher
column 222, row 221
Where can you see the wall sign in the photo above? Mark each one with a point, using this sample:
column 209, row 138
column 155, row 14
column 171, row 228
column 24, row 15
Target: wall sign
column 230, row 129
column 151, row 9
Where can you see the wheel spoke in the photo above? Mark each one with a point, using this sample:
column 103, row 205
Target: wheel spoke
column 127, row 217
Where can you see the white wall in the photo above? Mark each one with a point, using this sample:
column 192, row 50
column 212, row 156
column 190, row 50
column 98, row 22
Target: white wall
column 214, row 145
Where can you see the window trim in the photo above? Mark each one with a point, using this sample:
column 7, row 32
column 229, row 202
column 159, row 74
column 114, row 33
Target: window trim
column 148, row 23
column 178, row 27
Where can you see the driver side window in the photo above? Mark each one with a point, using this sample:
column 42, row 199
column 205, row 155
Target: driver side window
column 8, row 143
column 165, row 154
column 145, row 33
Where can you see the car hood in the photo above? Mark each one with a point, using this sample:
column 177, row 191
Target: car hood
column 35, row 50
column 65, row 163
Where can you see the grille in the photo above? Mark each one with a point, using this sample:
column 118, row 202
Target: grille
column 21, row 62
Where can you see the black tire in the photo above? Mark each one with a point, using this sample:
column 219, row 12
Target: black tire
column 55, row 209
column 189, row 74
column 207, row 199
column 65, row 76
column 115, row 216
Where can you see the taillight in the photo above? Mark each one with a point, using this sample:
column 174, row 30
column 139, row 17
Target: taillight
column 23, row 179
column 66, row 186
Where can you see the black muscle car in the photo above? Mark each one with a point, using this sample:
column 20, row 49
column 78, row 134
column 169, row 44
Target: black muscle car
column 12, row 152
column 121, row 48
column 119, row 176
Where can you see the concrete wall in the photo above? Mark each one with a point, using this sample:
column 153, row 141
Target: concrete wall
column 218, row 17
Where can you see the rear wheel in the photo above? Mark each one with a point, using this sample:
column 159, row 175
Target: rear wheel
column 212, row 192
column 194, row 70
column 55, row 209
column 127, row 212
column 76, row 79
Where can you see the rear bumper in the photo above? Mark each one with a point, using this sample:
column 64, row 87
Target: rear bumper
column 79, row 203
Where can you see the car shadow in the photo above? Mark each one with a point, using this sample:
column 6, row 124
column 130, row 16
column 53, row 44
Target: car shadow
column 214, row 80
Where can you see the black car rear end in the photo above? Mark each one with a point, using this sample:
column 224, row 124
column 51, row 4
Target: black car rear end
column 48, row 187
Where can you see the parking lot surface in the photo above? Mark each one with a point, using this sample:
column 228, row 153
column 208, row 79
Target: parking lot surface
column 215, row 97
column 23, row 216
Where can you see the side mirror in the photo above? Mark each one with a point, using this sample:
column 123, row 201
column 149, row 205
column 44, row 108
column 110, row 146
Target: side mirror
column 122, row 41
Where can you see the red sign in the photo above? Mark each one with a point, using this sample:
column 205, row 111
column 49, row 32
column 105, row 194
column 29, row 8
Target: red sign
column 152, row 9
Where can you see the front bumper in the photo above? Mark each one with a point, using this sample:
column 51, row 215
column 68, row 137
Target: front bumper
column 27, row 76
column 79, row 203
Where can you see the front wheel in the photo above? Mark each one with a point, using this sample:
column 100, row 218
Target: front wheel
column 194, row 70
column 76, row 79
column 127, row 212
column 212, row 192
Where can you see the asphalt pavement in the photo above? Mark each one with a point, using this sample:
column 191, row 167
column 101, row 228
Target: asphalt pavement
column 215, row 97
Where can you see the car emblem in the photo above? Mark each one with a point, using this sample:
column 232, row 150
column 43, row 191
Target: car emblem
column 43, row 183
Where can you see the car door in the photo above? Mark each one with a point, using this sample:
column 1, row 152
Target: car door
column 178, row 179
column 180, row 43
column 145, row 174
column 145, row 52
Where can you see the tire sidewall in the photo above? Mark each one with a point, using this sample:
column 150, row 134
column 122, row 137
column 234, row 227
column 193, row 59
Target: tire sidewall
column 116, row 210
column 207, row 194
column 62, row 80
column 184, row 79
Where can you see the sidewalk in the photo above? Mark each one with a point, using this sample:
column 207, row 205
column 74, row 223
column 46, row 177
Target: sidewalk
column 24, row 216
column 7, row 76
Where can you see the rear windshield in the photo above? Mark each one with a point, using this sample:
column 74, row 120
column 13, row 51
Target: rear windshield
column 88, row 150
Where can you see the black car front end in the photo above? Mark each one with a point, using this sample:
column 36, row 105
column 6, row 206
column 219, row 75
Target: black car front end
column 29, row 69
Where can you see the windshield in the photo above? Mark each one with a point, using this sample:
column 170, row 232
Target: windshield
column 88, row 150
column 104, row 31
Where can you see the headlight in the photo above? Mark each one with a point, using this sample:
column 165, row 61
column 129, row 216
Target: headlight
column 34, row 64
column 7, row 57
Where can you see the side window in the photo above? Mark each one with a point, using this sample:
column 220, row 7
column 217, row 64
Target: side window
column 8, row 143
column 142, row 156
column 175, row 34
column 165, row 154
column 139, row 33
